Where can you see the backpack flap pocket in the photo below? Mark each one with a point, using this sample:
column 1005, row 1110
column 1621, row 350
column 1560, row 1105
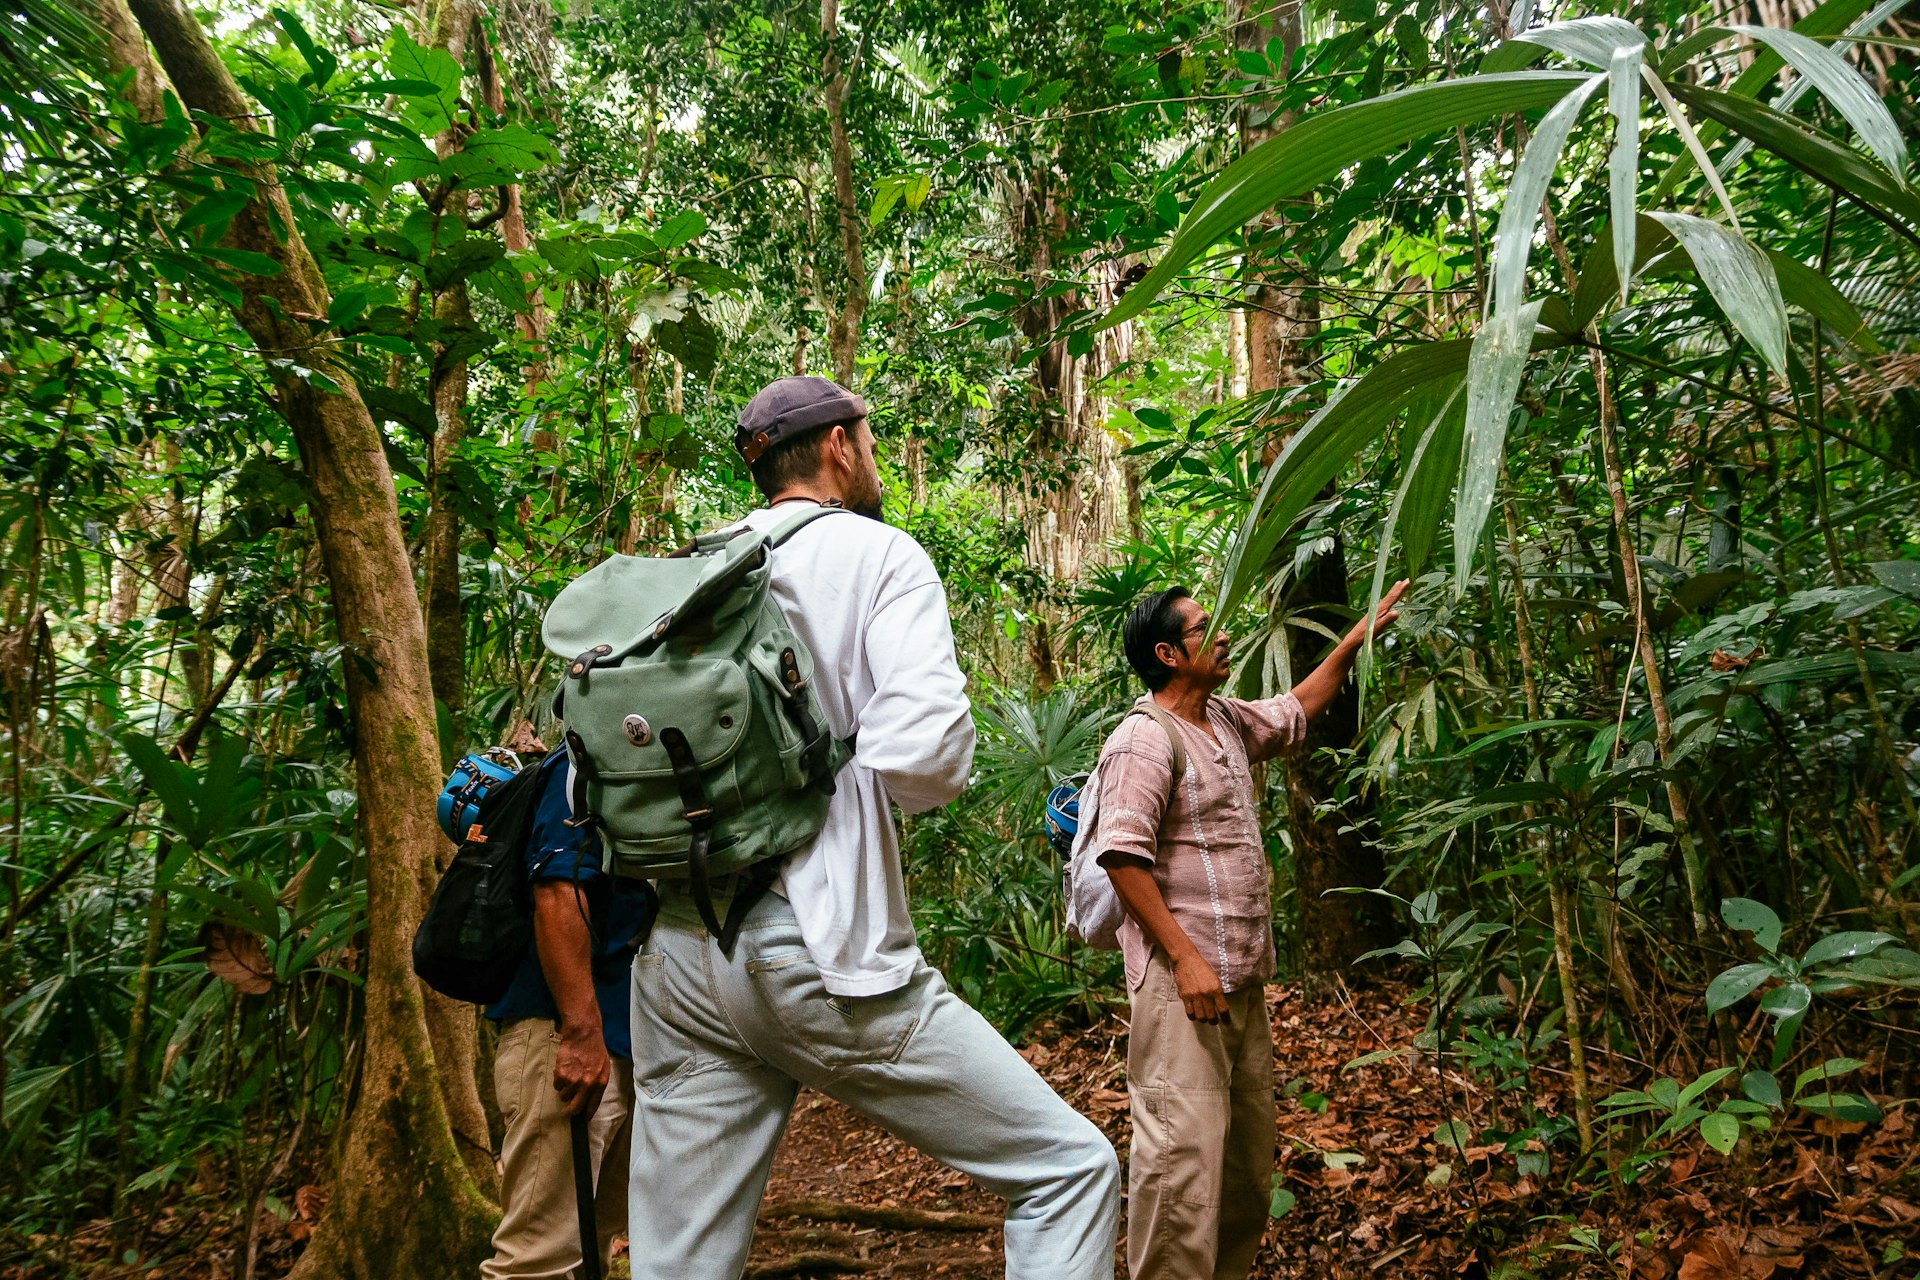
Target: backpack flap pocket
column 619, row 713
column 789, row 710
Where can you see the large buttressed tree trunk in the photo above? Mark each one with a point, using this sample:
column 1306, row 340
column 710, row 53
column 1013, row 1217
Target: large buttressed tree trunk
column 405, row 1203
column 1329, row 852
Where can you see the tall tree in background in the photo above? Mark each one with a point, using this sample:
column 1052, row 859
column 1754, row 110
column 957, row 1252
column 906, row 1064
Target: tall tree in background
column 406, row 1202
column 1330, row 850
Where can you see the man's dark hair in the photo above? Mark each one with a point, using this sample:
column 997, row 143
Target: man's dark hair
column 792, row 461
column 1153, row 622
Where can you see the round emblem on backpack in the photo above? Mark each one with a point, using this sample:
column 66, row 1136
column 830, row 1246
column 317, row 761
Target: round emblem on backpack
column 639, row 732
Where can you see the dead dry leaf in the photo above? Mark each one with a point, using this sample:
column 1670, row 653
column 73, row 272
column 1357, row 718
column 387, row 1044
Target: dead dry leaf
column 1714, row 1257
column 237, row 956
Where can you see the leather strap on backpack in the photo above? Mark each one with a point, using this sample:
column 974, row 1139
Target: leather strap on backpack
column 698, row 811
column 1166, row 720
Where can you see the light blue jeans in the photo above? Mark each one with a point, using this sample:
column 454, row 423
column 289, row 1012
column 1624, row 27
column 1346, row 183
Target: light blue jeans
column 721, row 1047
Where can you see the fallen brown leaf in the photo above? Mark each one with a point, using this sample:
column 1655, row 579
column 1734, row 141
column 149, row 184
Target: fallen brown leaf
column 1714, row 1257
column 237, row 956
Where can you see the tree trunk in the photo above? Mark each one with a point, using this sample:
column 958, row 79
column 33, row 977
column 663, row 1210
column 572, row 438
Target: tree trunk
column 451, row 21
column 1329, row 851
column 405, row 1204
column 843, row 322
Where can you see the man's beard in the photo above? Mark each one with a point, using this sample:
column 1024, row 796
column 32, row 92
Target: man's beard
column 868, row 503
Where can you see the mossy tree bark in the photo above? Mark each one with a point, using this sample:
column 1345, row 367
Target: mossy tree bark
column 405, row 1204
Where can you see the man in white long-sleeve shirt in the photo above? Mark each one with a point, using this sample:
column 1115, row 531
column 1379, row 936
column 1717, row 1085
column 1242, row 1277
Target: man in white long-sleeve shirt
column 826, row 985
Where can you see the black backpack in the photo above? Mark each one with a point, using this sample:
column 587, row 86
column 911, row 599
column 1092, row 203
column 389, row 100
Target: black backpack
column 477, row 928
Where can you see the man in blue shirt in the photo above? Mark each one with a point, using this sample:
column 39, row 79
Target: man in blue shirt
column 563, row 1023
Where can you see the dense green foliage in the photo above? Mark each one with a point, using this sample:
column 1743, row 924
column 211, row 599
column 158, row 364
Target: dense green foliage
column 1710, row 477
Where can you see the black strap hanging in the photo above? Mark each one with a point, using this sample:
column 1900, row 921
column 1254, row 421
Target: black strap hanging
column 698, row 811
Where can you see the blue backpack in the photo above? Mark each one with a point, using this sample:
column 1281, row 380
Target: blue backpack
column 476, row 928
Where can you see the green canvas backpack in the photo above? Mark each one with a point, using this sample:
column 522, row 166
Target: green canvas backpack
column 697, row 745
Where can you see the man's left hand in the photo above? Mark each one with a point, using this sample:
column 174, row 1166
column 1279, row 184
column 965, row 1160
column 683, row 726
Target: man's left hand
column 581, row 1069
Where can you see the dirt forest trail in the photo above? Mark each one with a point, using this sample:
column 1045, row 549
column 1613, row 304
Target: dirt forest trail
column 1360, row 1153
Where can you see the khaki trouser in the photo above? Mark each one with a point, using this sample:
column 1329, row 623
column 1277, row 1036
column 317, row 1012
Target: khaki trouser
column 539, row 1233
column 1202, row 1103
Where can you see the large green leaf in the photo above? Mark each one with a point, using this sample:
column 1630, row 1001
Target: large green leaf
column 1520, row 211
column 1430, row 487
column 1813, row 293
column 1595, row 41
column 1623, row 162
column 1842, row 86
column 1736, row 984
column 1744, row 915
column 1829, row 19
column 1740, row 278
column 1493, row 378
column 1318, row 451
column 1319, row 147
column 1814, row 153
column 1443, row 424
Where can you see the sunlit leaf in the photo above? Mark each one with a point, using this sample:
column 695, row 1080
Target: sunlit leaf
column 1319, row 147
column 1493, row 378
column 1741, row 280
column 1623, row 162
column 1520, row 212
column 1846, row 89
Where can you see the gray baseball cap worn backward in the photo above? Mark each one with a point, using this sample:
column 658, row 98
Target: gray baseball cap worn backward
column 789, row 407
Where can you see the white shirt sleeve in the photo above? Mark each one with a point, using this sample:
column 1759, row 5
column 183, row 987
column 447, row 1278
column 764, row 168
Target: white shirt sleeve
column 916, row 732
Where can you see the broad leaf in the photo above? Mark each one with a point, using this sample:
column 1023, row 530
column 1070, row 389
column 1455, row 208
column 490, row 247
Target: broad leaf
column 1594, row 40
column 1842, row 86
column 1520, row 212
column 1320, row 147
column 1789, row 1001
column 1831, row 1069
column 1842, row 1106
column 1319, row 450
column 1721, row 1131
column 1623, row 162
column 1812, row 152
column 1735, row 985
column 1763, row 1087
column 1741, row 280
column 1493, row 378
column 1843, row 946
column 1744, row 915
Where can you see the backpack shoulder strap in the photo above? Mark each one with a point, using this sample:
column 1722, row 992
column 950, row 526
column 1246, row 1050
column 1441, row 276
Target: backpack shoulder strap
column 777, row 536
column 1165, row 719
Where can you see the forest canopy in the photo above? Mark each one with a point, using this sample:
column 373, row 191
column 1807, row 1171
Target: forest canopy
column 337, row 338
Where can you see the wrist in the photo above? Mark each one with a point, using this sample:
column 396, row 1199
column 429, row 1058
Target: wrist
column 585, row 1026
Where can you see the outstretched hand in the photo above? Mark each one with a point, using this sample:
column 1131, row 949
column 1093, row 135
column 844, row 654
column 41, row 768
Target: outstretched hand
column 1384, row 614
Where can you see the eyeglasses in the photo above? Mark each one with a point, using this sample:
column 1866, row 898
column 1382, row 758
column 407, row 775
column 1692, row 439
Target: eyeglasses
column 1198, row 628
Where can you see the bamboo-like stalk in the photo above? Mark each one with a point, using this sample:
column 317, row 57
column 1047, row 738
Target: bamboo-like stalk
column 1677, row 803
column 1557, row 896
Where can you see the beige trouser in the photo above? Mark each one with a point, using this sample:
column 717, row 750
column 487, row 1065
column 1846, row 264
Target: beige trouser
column 539, row 1233
column 1202, row 1103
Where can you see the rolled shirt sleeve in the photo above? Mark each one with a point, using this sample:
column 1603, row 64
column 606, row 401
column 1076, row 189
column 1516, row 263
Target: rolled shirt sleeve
column 1269, row 727
column 916, row 732
column 1135, row 777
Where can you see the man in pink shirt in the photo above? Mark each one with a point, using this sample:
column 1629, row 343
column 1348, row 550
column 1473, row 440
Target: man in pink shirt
column 1189, row 864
